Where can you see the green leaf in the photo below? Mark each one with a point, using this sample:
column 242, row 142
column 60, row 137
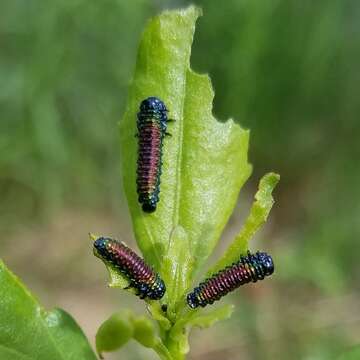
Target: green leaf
column 204, row 162
column 258, row 215
column 114, row 332
column 176, row 272
column 205, row 320
column 29, row 332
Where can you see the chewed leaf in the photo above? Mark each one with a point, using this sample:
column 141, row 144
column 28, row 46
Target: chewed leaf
column 29, row 332
column 117, row 280
column 204, row 161
column 258, row 215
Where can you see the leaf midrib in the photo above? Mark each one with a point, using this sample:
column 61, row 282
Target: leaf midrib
column 179, row 160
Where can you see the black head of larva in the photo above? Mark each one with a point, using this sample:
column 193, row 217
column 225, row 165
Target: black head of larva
column 149, row 206
column 100, row 245
column 152, row 103
column 192, row 300
column 267, row 262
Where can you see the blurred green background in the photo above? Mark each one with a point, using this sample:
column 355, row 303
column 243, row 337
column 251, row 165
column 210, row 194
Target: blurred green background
column 286, row 69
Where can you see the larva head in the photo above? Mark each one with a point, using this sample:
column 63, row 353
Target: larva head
column 152, row 103
column 101, row 246
column 267, row 262
column 149, row 206
column 192, row 300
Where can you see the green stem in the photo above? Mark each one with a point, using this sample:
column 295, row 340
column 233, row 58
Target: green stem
column 173, row 349
column 162, row 351
column 172, row 346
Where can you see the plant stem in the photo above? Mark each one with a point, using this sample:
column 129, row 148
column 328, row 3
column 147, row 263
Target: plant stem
column 162, row 351
column 172, row 346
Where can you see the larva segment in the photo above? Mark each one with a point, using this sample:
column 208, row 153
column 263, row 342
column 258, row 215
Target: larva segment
column 141, row 276
column 151, row 124
column 250, row 268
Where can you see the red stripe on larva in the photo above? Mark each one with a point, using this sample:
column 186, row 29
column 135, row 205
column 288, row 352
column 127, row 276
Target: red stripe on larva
column 149, row 162
column 133, row 264
column 248, row 268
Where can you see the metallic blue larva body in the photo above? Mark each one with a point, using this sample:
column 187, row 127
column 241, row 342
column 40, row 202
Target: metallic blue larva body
column 140, row 275
column 250, row 268
column 151, row 124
